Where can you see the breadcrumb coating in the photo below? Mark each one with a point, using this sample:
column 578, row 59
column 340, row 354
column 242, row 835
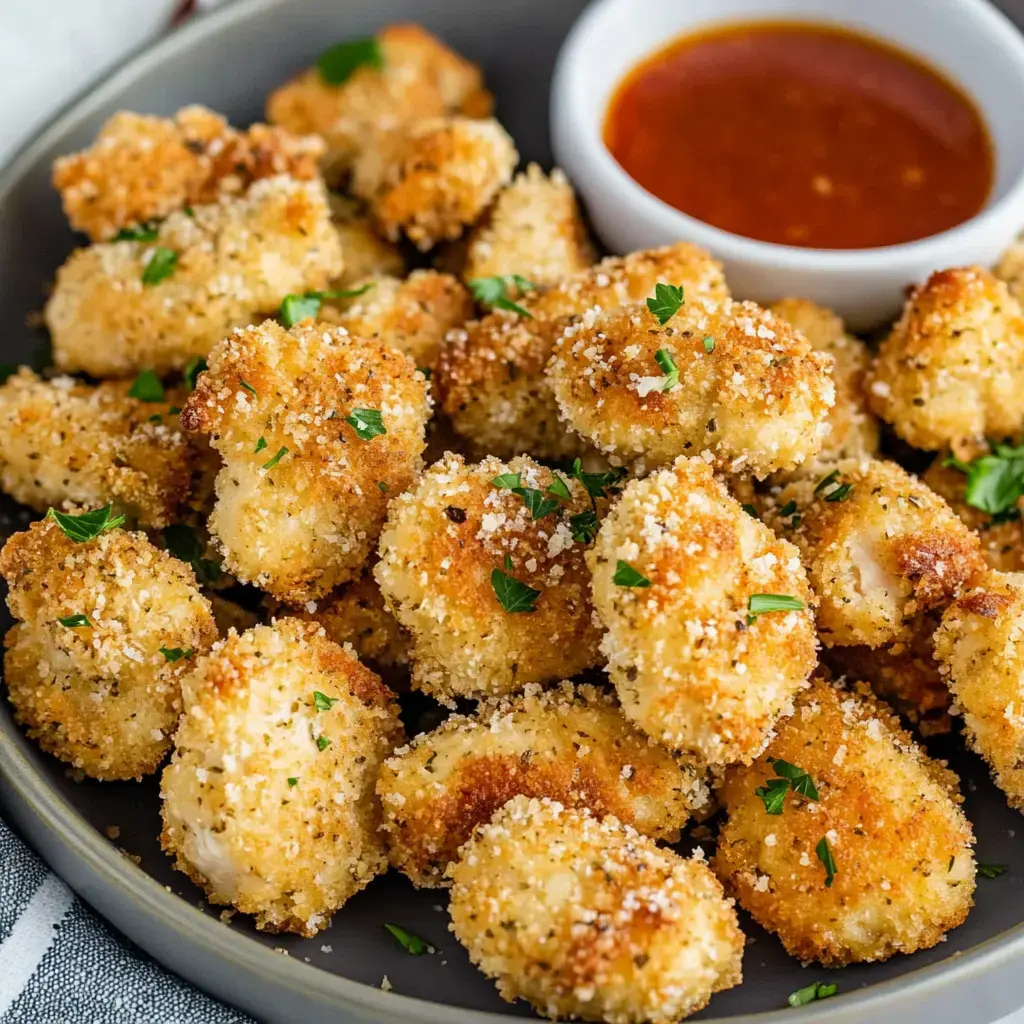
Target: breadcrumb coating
column 1010, row 268
column 980, row 650
column 953, row 367
column 236, row 259
column 889, row 816
column 307, row 474
column 491, row 379
column 62, row 441
column 749, row 390
column 419, row 77
column 647, row 937
column 534, row 229
column 268, row 801
column 571, row 744
column 101, row 695
column 690, row 667
column 880, row 548
column 454, row 537
column 855, row 429
column 433, row 178
column 412, row 315
column 366, row 254
column 142, row 168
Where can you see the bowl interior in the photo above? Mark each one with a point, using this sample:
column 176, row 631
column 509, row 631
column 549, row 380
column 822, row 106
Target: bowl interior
column 231, row 69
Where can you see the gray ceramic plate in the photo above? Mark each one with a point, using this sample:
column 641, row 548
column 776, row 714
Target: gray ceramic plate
column 230, row 61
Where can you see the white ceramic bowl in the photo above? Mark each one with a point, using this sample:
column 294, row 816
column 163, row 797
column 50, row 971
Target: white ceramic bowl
column 970, row 41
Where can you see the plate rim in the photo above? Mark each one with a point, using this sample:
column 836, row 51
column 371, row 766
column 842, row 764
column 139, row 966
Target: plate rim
column 903, row 997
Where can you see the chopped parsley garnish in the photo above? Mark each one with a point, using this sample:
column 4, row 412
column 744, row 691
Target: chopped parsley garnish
column 260, row 445
column 144, row 232
column 841, row 493
column 161, row 265
column 508, row 562
column 512, row 595
column 342, row 60
column 367, row 423
column 147, row 387
column 248, row 387
column 323, row 702
column 382, row 487
column 751, row 510
column 507, row 481
column 709, row 344
column 835, row 490
column 810, row 993
column 994, row 481
column 292, row 781
column 992, row 870
column 298, row 307
column 758, row 604
column 155, row 418
column 409, row 942
column 182, row 542
column 74, row 621
column 627, row 576
column 825, row 856
column 534, row 500
column 666, row 302
column 773, row 793
column 322, row 742
column 584, row 526
column 173, row 654
column 281, row 453
column 493, row 292
column 560, row 489
column 196, row 366
column 597, row 484
column 88, row 525
column 668, row 367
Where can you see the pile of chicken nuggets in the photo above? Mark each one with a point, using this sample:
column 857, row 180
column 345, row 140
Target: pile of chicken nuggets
column 636, row 538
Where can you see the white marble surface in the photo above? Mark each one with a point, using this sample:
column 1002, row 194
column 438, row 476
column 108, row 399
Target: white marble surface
column 51, row 49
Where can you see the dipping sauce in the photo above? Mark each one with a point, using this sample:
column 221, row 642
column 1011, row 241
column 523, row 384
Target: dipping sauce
column 802, row 134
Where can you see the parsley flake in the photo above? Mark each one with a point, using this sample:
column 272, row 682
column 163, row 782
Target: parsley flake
column 811, row 993
column 161, row 265
column 323, row 702
column 994, row 481
column 367, row 423
column 307, row 304
column 409, row 942
column 758, row 604
column 709, row 344
column 260, row 445
column 173, row 654
column 493, row 292
column 992, row 870
column 584, row 526
column 826, row 481
column 382, row 487
column 342, row 60
column 507, row 481
column 195, row 367
column 560, row 489
column 248, row 387
column 508, row 562
column 668, row 367
column 597, row 484
column 513, row 596
column 292, row 781
column 147, row 387
column 88, row 525
column 825, row 856
column 281, row 453
column 773, row 793
column 627, row 576
column 841, row 493
column 751, row 510
column 322, row 742
column 144, row 232
column 666, row 301
column 74, row 621
column 182, row 542
column 537, row 505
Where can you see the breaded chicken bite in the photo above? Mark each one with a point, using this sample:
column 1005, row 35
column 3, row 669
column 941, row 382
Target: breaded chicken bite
column 142, row 168
column 571, row 744
column 268, row 801
column 534, row 229
column 709, row 617
column 953, row 367
column 317, row 430
column 880, row 549
column 409, row 74
column 491, row 379
column 365, row 252
column 120, row 307
column 106, row 628
column 483, row 565
column 412, row 315
column 980, row 650
column 724, row 378
column 844, row 838
column 62, row 441
column 586, row 918
column 1010, row 268
column 433, row 178
column 855, row 429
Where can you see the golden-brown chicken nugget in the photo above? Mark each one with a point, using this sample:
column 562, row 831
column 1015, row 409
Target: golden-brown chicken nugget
column 366, row 253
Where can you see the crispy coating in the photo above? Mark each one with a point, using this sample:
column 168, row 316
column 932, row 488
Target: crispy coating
column 647, row 936
column 449, row 542
column 433, row 178
column 237, row 258
column 102, row 696
column 268, row 801
column 491, row 379
column 953, row 367
column 366, row 254
column 62, row 441
column 419, row 77
column 142, row 168
column 1010, row 268
column 757, row 402
column 301, row 525
column 690, row 668
column 412, row 315
column 878, row 554
column 534, row 229
column 571, row 744
column 980, row 650
column 855, row 429
column 904, row 870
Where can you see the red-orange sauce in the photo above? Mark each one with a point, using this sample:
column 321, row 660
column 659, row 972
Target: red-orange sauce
column 802, row 134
